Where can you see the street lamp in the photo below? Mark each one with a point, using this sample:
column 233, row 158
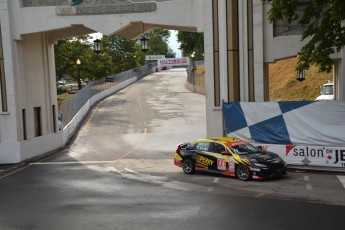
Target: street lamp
column 97, row 46
column 79, row 79
column 144, row 44
column 193, row 61
column 300, row 74
column 193, row 68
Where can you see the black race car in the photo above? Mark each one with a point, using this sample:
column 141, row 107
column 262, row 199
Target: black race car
column 229, row 156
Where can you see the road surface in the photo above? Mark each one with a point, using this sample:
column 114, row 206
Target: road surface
column 118, row 173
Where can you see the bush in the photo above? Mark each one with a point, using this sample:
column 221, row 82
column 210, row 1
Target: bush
column 61, row 89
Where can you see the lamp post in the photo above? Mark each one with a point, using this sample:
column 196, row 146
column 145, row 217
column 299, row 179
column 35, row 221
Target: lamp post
column 144, row 44
column 300, row 75
column 79, row 80
column 193, row 61
column 193, row 68
column 97, row 46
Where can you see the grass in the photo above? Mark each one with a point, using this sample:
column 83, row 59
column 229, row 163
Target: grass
column 283, row 85
column 61, row 98
column 199, row 76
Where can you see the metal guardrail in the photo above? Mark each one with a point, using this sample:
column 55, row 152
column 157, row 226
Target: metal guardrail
column 74, row 103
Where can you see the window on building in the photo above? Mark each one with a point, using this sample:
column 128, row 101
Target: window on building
column 24, row 124
column 3, row 93
column 37, row 121
column 54, row 118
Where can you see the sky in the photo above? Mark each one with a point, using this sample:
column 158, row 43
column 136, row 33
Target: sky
column 173, row 44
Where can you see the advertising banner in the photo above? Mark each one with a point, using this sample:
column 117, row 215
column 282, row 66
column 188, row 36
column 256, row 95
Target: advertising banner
column 154, row 57
column 302, row 133
column 309, row 155
column 174, row 61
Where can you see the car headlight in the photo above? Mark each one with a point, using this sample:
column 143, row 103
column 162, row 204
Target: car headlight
column 279, row 158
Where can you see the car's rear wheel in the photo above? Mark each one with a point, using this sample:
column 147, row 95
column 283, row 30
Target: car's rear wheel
column 243, row 172
column 188, row 166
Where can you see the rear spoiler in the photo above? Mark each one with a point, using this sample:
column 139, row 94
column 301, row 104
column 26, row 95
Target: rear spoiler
column 186, row 145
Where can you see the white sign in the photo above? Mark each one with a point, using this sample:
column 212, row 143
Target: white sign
column 174, row 61
column 87, row 7
column 154, row 57
column 309, row 155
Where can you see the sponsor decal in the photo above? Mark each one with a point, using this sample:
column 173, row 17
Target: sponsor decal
column 255, row 169
column 203, row 161
column 221, row 164
column 231, row 165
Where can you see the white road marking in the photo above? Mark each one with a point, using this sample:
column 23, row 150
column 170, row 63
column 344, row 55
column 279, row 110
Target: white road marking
column 306, row 177
column 112, row 169
column 308, row 187
column 342, row 180
column 216, row 180
column 160, row 180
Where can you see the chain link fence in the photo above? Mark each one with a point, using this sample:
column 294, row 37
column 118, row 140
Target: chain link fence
column 74, row 103
column 194, row 81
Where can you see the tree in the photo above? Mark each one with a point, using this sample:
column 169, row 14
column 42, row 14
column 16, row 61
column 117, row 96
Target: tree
column 121, row 50
column 158, row 42
column 320, row 21
column 118, row 54
column 67, row 52
column 192, row 42
column 157, row 45
column 92, row 67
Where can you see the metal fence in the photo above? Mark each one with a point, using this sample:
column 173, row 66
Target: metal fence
column 195, row 83
column 190, row 72
column 74, row 103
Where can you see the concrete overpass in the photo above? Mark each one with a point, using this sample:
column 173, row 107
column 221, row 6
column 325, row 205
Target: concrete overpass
column 239, row 43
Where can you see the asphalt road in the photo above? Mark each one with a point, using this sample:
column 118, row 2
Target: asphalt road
column 118, row 173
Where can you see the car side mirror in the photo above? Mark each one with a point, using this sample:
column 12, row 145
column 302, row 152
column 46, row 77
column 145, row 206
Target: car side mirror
column 226, row 153
column 260, row 148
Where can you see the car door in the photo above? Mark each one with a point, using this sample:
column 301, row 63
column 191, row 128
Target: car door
column 203, row 156
column 222, row 159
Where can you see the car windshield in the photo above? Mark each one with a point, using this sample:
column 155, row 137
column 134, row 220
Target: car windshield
column 327, row 90
column 244, row 149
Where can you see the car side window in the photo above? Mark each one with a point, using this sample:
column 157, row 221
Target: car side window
column 202, row 146
column 218, row 148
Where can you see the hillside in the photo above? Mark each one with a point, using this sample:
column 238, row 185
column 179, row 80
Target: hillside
column 284, row 86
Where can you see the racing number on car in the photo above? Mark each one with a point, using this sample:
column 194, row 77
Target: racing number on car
column 221, row 164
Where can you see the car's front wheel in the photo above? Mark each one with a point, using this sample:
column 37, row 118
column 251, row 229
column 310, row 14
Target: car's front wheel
column 188, row 166
column 243, row 172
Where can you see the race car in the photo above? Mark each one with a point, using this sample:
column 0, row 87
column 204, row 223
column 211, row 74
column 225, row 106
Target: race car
column 229, row 156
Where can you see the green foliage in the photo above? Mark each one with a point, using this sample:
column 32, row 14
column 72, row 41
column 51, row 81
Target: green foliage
column 93, row 66
column 121, row 51
column 61, row 89
column 157, row 45
column 321, row 23
column 118, row 54
column 191, row 42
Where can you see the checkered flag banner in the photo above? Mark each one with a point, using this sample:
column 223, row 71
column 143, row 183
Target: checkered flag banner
column 296, row 123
